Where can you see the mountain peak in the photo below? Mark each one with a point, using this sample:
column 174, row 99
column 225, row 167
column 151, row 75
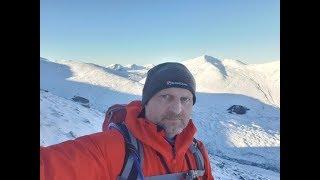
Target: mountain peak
column 207, row 57
column 203, row 59
column 116, row 67
column 134, row 67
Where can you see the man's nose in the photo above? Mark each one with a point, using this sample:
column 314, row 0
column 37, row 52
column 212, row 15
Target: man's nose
column 175, row 107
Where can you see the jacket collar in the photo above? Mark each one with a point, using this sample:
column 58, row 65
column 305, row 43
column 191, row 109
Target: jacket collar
column 148, row 133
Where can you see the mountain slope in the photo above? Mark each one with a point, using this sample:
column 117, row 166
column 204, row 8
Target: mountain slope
column 62, row 119
column 231, row 76
column 95, row 83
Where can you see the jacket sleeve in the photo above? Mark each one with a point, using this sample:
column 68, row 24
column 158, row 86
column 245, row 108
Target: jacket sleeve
column 96, row 156
column 208, row 170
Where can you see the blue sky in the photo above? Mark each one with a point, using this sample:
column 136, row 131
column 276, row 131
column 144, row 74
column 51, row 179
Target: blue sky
column 153, row 31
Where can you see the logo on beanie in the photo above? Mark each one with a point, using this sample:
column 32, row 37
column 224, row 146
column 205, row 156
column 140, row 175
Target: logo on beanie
column 169, row 83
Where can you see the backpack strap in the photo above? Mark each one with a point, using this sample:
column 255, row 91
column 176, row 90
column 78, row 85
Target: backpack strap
column 134, row 151
column 194, row 148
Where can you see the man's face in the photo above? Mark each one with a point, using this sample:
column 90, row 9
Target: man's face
column 170, row 108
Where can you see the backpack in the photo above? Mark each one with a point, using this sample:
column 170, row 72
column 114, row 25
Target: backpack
column 115, row 114
column 132, row 168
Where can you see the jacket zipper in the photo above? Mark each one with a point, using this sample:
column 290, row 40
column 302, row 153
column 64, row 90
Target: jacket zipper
column 174, row 151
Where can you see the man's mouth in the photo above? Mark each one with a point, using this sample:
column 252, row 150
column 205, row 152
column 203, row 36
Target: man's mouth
column 171, row 121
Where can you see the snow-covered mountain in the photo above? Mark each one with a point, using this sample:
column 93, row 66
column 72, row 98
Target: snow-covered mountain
column 130, row 71
column 74, row 96
column 231, row 76
column 99, row 85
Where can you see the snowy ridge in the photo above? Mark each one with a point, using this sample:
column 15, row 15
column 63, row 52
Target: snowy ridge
column 68, row 79
column 93, row 74
column 131, row 71
column 232, row 76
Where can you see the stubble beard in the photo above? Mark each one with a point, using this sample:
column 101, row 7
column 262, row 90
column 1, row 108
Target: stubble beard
column 173, row 124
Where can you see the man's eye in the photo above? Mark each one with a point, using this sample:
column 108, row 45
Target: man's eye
column 185, row 99
column 165, row 96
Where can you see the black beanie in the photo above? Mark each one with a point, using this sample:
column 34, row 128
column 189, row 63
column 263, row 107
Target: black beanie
column 167, row 75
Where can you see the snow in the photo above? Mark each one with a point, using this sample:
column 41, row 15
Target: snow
column 95, row 83
column 250, row 139
column 240, row 146
column 232, row 76
column 63, row 119
column 130, row 71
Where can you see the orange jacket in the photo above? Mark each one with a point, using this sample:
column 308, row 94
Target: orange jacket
column 100, row 156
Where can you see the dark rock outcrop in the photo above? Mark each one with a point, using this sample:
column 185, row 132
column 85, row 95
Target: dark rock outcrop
column 238, row 109
column 83, row 101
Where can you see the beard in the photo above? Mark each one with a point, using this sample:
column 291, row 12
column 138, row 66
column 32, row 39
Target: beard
column 173, row 124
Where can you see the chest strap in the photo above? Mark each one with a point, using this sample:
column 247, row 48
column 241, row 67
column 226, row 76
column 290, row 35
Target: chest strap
column 189, row 175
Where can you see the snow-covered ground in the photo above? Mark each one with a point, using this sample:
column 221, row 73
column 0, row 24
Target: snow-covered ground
column 243, row 146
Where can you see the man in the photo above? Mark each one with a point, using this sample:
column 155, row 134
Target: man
column 161, row 123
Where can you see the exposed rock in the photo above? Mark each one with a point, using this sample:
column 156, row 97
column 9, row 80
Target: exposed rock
column 83, row 101
column 238, row 109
